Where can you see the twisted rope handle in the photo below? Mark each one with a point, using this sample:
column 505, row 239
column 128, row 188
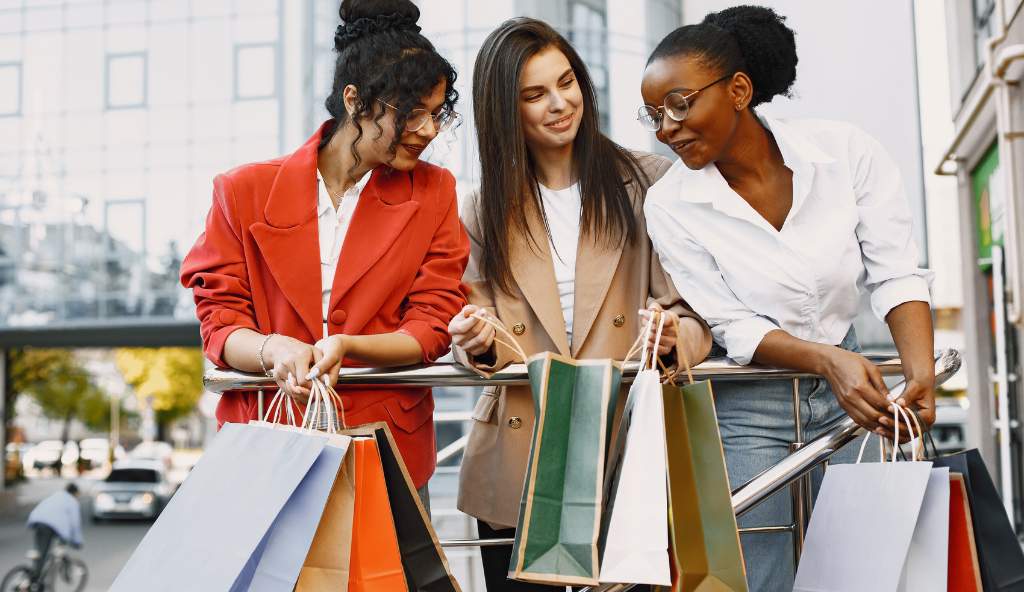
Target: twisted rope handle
column 512, row 343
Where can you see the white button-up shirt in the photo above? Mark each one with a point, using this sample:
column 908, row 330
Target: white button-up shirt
column 849, row 227
column 332, row 226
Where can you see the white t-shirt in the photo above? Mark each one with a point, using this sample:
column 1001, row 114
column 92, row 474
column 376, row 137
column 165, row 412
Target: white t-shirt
column 563, row 209
column 332, row 226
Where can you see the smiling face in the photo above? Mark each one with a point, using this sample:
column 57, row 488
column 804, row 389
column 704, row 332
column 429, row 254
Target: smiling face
column 550, row 101
column 707, row 131
column 411, row 144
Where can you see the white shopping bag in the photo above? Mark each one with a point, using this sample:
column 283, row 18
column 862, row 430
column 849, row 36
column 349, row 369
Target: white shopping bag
column 928, row 558
column 636, row 536
column 863, row 522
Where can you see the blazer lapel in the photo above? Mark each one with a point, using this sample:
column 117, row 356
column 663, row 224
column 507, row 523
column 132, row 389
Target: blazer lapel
column 288, row 240
column 596, row 264
column 534, row 273
column 384, row 210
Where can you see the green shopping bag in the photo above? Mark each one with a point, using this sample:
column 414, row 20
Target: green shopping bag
column 560, row 514
column 704, row 541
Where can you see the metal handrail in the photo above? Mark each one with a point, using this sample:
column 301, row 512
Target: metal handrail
column 220, row 381
column 789, row 470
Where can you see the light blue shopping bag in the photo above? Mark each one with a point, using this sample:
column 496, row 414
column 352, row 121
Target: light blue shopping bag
column 275, row 566
column 214, row 523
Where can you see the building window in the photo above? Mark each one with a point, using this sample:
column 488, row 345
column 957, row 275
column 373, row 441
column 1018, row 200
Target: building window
column 255, row 71
column 10, row 89
column 588, row 35
column 984, row 27
column 126, row 80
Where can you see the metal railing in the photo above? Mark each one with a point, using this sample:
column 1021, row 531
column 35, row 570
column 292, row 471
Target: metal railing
column 792, row 471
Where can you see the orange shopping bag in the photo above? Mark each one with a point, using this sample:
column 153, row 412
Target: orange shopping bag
column 964, row 572
column 376, row 564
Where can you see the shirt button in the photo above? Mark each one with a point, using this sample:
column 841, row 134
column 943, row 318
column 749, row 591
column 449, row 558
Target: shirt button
column 518, row 329
column 338, row 317
column 619, row 320
column 515, row 422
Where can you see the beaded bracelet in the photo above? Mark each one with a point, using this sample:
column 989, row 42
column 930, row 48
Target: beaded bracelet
column 259, row 355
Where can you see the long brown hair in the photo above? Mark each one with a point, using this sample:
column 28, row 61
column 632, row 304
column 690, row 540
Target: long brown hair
column 508, row 184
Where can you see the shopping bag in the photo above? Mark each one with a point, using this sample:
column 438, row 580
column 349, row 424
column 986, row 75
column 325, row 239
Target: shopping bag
column 927, row 558
column 705, row 552
column 634, row 534
column 214, row 523
column 999, row 552
column 963, row 573
column 426, row 566
column 560, row 514
column 423, row 561
column 862, row 526
column 283, row 551
column 326, row 566
column 376, row 563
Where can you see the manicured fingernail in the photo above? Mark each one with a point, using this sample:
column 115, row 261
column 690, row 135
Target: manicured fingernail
column 313, row 374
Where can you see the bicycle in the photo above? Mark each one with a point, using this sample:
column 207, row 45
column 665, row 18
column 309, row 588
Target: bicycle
column 60, row 573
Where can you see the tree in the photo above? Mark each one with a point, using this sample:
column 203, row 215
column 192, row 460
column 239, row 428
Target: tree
column 60, row 385
column 169, row 378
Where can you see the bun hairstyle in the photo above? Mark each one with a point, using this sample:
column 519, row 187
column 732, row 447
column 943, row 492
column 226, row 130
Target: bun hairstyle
column 750, row 39
column 382, row 53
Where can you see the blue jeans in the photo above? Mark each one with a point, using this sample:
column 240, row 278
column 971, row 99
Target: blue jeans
column 756, row 422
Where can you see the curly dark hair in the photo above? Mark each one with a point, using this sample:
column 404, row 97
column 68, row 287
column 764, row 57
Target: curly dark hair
column 382, row 53
column 750, row 39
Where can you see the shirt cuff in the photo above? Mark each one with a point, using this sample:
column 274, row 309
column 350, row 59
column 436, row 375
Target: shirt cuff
column 741, row 337
column 894, row 292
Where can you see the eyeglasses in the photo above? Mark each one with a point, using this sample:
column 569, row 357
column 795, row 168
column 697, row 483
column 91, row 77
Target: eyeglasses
column 418, row 118
column 677, row 106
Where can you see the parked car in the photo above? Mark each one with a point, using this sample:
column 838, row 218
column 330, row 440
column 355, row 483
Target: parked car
column 156, row 451
column 133, row 489
column 45, row 455
column 93, row 453
column 69, row 457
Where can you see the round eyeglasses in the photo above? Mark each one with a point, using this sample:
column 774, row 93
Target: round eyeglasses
column 677, row 106
column 418, row 118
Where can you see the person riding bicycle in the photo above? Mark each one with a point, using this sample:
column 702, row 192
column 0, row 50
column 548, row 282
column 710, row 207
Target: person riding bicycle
column 58, row 516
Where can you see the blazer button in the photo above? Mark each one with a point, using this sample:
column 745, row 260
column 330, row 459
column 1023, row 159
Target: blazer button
column 338, row 317
column 226, row 317
column 515, row 422
column 619, row 321
column 519, row 328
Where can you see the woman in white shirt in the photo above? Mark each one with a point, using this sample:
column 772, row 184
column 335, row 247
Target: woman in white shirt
column 558, row 252
column 769, row 229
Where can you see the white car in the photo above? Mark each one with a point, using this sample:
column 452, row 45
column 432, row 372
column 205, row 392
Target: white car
column 158, row 451
column 93, row 453
column 44, row 455
column 134, row 489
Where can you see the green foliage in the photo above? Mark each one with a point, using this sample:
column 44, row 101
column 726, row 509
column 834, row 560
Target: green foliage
column 171, row 378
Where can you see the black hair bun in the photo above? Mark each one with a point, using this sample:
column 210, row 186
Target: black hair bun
column 361, row 18
column 767, row 44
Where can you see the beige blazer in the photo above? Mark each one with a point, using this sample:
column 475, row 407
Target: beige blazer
column 612, row 284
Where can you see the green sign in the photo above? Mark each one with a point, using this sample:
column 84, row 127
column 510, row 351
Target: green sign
column 989, row 205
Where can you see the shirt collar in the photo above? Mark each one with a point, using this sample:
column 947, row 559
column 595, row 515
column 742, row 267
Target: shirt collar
column 323, row 199
column 799, row 152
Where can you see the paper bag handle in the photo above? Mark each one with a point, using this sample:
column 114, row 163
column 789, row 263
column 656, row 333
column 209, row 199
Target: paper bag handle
column 512, row 343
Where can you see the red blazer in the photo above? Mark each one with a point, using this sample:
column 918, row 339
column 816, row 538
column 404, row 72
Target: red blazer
column 257, row 266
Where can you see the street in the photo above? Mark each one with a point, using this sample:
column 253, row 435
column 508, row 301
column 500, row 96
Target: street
column 107, row 545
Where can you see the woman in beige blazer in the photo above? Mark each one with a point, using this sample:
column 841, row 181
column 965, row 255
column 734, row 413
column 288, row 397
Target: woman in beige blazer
column 564, row 262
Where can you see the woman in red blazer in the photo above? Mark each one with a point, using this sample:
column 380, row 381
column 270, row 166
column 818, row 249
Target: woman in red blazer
column 261, row 273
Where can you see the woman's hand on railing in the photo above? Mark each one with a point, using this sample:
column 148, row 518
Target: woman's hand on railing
column 291, row 360
column 859, row 388
column 669, row 334
column 474, row 336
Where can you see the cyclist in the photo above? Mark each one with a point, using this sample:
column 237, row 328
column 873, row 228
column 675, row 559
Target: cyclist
column 58, row 516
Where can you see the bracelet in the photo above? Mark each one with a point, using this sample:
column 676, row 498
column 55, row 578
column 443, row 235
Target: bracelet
column 259, row 355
